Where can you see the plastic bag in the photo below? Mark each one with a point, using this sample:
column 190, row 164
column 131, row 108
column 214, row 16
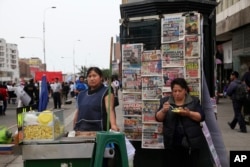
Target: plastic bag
column 130, row 152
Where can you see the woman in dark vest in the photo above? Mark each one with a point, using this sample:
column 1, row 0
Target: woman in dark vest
column 181, row 115
column 91, row 114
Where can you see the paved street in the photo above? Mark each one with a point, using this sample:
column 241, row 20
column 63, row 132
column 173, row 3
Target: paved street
column 233, row 140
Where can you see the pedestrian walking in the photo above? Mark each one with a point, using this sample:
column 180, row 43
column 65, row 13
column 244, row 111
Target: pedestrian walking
column 237, row 104
column 57, row 89
column 3, row 99
column 33, row 92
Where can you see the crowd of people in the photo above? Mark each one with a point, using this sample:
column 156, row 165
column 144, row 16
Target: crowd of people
column 59, row 91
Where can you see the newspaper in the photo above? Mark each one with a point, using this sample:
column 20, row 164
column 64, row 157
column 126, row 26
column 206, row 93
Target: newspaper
column 131, row 97
column 131, row 80
column 192, row 24
column 192, row 47
column 194, row 86
column 170, row 73
column 133, row 127
column 131, row 55
column 132, row 108
column 152, row 136
column 151, row 63
column 152, row 87
column 173, row 54
column 172, row 28
column 192, row 68
column 149, row 109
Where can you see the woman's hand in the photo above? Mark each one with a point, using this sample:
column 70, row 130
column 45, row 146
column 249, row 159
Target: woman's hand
column 115, row 128
column 165, row 107
column 184, row 112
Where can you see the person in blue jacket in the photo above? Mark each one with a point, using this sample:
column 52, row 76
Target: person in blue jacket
column 237, row 104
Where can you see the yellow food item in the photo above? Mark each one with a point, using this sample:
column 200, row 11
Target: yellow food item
column 45, row 117
column 176, row 110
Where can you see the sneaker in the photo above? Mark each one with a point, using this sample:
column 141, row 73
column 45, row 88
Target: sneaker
column 229, row 124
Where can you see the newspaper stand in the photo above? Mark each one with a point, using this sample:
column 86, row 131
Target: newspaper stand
column 152, row 16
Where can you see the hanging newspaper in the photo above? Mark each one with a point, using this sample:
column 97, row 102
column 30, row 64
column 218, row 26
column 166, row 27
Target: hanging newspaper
column 131, row 56
column 131, row 97
column 151, row 63
column 192, row 47
column 169, row 74
column 133, row 127
column 192, row 68
column 152, row 136
column 192, row 24
column 173, row 54
column 149, row 109
column 172, row 28
column 131, row 80
column 131, row 109
column 151, row 87
column 194, row 86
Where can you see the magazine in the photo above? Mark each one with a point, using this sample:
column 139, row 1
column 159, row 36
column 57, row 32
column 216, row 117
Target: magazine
column 131, row 55
column 152, row 87
column 192, row 47
column 173, row 54
column 131, row 97
column 170, row 73
column 192, row 68
column 194, row 86
column 133, row 127
column 149, row 109
column 151, row 63
column 172, row 28
column 192, row 24
column 131, row 80
column 132, row 108
column 152, row 136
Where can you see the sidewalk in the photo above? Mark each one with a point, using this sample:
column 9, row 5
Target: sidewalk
column 233, row 140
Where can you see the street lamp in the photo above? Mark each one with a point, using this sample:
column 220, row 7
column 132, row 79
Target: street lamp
column 74, row 57
column 44, row 50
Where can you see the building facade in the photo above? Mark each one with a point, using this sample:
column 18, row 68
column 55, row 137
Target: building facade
column 9, row 65
column 232, row 36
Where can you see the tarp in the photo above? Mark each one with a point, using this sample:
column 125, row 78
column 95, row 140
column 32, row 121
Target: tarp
column 49, row 75
column 43, row 96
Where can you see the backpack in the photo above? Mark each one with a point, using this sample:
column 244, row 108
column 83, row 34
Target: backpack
column 241, row 92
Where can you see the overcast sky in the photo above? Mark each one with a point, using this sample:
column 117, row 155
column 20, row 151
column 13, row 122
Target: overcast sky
column 93, row 22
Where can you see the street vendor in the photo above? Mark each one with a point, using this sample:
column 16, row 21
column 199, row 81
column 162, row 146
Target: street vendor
column 91, row 114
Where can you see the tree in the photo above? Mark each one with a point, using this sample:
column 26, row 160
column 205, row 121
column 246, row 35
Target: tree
column 83, row 71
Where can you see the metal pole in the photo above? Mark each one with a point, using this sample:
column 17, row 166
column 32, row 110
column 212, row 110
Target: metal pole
column 44, row 50
column 74, row 59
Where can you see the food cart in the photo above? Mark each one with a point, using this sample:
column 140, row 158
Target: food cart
column 44, row 142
